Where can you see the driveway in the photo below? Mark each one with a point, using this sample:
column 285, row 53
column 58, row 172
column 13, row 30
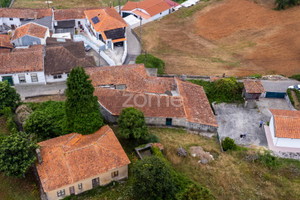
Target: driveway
column 278, row 85
column 133, row 47
column 40, row 90
column 234, row 120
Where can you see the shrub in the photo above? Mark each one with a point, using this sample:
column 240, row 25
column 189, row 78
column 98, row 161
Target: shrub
column 268, row 160
column 5, row 3
column 10, row 122
column 152, row 138
column 152, row 179
column 132, row 124
column 289, row 93
column 47, row 120
column 8, row 96
column 196, row 192
column 228, row 144
column 152, row 62
column 282, row 4
column 255, row 75
column 295, row 76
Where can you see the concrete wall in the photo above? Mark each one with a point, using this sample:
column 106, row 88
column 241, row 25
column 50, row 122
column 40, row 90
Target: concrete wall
column 40, row 76
column 105, row 179
column 159, row 15
column 202, row 127
column 161, row 121
column 107, row 115
column 50, row 78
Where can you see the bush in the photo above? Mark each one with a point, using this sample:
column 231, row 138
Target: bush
column 268, row 160
column 152, row 62
column 289, row 93
column 8, row 96
column 5, row 3
column 132, row 124
column 153, row 179
column 10, row 122
column 47, row 120
column 255, row 75
column 228, row 144
column 152, row 138
column 282, row 4
column 196, row 192
column 295, row 76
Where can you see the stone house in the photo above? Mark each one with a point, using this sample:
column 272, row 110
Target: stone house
column 253, row 89
column 106, row 25
column 30, row 34
column 23, row 66
column 148, row 10
column 164, row 101
column 284, row 129
column 74, row 163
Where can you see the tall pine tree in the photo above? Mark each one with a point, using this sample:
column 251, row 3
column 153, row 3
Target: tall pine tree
column 82, row 110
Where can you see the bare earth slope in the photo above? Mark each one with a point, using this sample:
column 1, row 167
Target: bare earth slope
column 236, row 37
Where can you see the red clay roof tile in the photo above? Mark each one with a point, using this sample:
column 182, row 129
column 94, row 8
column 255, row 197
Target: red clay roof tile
column 253, row 86
column 31, row 29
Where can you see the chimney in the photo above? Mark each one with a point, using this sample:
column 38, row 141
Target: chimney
column 174, row 87
column 35, row 15
column 39, row 156
column 183, row 77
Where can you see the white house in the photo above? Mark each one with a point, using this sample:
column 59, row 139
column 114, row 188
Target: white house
column 11, row 18
column 148, row 10
column 30, row 34
column 23, row 66
column 106, row 25
column 284, row 129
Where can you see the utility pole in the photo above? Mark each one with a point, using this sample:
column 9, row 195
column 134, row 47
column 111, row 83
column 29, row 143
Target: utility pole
column 119, row 7
column 99, row 58
column 141, row 29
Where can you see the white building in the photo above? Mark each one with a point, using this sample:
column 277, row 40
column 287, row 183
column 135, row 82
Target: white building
column 23, row 66
column 284, row 129
column 147, row 10
column 30, row 34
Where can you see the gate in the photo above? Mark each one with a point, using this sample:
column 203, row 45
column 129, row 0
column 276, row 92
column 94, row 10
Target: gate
column 275, row 94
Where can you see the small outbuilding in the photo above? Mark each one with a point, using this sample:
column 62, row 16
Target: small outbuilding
column 253, row 89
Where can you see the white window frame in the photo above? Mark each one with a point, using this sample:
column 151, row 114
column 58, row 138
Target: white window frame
column 61, row 193
column 34, row 78
column 20, row 79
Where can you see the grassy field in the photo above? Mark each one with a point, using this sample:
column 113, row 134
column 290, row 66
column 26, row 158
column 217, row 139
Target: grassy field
column 235, row 37
column 62, row 4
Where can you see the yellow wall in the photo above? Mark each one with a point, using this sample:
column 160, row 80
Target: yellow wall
column 105, row 179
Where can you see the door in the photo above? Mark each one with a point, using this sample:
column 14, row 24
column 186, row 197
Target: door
column 96, row 182
column 275, row 94
column 169, row 121
column 9, row 79
column 72, row 190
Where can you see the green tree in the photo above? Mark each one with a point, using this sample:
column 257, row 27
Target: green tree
column 282, row 4
column 82, row 110
column 196, row 192
column 227, row 90
column 17, row 154
column 8, row 96
column 132, row 124
column 152, row 179
column 47, row 120
column 228, row 144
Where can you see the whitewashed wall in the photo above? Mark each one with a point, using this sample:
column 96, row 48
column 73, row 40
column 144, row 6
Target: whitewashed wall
column 15, row 77
column 7, row 21
column 50, row 78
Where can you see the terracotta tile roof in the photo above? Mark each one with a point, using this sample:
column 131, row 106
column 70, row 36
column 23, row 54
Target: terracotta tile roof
column 133, row 76
column 196, row 105
column 22, row 60
column 74, row 157
column 109, row 19
column 5, row 41
column 31, row 29
column 25, row 13
column 253, row 86
column 172, row 3
column 152, row 7
column 62, row 57
column 287, row 123
column 140, row 13
column 191, row 102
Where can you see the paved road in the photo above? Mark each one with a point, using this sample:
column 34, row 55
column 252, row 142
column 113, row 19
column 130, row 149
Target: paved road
column 278, row 85
column 133, row 49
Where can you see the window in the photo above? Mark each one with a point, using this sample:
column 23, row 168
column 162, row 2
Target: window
column 169, row 121
column 115, row 174
column 22, row 78
column 58, row 76
column 11, row 19
column 61, row 193
column 95, row 182
column 34, row 77
column 80, row 186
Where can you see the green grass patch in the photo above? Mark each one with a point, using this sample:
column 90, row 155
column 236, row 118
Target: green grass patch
column 226, row 90
column 295, row 99
column 188, row 12
column 255, row 75
column 151, row 61
column 296, row 77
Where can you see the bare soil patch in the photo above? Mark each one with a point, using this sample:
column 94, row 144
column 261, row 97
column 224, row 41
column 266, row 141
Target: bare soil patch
column 236, row 37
